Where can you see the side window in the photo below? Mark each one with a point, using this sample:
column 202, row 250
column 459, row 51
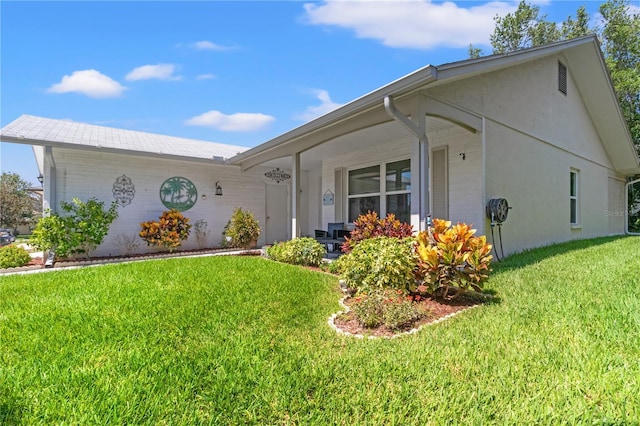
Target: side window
column 574, row 197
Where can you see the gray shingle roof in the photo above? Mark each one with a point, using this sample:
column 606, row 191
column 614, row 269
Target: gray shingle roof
column 33, row 130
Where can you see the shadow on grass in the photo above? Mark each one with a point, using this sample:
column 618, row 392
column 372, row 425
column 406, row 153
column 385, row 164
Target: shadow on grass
column 10, row 408
column 536, row 255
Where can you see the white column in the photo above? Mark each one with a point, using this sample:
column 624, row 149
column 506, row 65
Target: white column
column 420, row 118
column 49, row 184
column 295, row 194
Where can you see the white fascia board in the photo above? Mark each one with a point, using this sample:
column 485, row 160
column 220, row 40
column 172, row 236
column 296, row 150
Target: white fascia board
column 402, row 86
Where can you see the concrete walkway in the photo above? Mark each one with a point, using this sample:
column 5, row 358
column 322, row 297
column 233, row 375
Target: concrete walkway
column 84, row 263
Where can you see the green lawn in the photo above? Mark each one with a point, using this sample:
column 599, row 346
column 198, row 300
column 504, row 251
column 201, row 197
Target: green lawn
column 242, row 340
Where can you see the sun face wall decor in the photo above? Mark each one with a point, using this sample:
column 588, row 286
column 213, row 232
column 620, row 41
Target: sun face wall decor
column 178, row 193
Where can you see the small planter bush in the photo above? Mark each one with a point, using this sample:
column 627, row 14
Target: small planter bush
column 379, row 263
column 169, row 231
column 299, row 251
column 242, row 230
column 80, row 231
column 450, row 257
column 370, row 226
column 12, row 256
column 391, row 308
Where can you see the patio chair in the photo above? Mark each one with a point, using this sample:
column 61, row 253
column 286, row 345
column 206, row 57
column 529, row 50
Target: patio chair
column 334, row 235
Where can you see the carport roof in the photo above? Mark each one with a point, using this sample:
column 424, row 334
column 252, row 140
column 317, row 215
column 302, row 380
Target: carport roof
column 39, row 131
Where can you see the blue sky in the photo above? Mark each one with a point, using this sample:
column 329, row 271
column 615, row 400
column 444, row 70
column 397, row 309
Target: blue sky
column 232, row 72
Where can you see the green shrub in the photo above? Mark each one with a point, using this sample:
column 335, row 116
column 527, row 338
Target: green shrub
column 80, row 230
column 391, row 308
column 299, row 251
column 242, row 230
column 368, row 310
column 370, row 226
column 169, row 231
column 400, row 312
column 12, row 256
column 381, row 262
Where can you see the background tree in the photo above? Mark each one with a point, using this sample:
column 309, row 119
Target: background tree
column 521, row 29
column 16, row 202
column 621, row 44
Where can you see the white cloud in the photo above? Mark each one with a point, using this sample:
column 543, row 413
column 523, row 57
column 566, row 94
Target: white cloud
column 418, row 24
column 238, row 122
column 205, row 77
column 326, row 105
column 209, row 45
column 91, row 83
column 158, row 72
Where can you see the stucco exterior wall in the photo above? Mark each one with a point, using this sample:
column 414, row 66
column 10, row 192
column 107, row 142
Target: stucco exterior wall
column 464, row 175
column 534, row 178
column 526, row 98
column 84, row 175
column 534, row 136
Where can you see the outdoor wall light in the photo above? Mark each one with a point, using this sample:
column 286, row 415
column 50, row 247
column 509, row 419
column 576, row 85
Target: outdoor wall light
column 40, row 178
column 218, row 189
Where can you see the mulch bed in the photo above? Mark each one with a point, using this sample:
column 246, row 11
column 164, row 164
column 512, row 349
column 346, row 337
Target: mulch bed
column 438, row 310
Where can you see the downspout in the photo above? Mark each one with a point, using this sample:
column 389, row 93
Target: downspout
column 423, row 158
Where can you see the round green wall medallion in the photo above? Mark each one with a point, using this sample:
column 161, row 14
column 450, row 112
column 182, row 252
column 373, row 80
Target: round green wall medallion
column 178, row 193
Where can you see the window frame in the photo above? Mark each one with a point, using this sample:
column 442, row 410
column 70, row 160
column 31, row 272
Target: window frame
column 382, row 194
column 574, row 197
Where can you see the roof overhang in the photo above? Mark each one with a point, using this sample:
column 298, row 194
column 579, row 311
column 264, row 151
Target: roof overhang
column 584, row 58
column 361, row 113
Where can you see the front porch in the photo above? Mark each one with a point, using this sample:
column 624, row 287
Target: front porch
column 379, row 161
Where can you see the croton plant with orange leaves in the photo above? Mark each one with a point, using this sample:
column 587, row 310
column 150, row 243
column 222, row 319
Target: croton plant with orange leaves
column 451, row 256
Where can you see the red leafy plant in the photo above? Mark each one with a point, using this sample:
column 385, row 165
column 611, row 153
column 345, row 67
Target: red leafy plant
column 169, row 231
column 451, row 259
column 370, row 226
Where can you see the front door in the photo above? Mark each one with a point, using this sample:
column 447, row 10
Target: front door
column 277, row 217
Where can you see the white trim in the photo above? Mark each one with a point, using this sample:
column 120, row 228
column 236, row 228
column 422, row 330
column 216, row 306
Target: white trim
column 626, row 207
column 575, row 197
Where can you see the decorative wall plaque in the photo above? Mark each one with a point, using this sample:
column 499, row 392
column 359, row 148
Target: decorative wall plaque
column 178, row 193
column 278, row 175
column 327, row 198
column 123, row 190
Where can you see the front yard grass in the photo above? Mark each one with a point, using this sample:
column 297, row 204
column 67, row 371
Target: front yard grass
column 243, row 340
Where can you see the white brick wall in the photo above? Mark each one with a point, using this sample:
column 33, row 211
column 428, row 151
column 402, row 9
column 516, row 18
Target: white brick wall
column 83, row 175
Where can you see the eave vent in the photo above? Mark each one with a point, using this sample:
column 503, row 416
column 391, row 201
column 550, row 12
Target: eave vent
column 562, row 78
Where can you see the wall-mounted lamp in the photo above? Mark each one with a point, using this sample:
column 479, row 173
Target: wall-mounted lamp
column 218, row 189
column 40, row 178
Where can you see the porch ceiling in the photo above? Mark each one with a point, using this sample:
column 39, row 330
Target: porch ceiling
column 354, row 141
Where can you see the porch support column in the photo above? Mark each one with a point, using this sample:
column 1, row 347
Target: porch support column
column 295, row 194
column 417, row 125
column 424, row 195
column 49, row 182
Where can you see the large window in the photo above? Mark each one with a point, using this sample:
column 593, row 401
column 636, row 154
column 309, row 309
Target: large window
column 368, row 192
column 574, row 197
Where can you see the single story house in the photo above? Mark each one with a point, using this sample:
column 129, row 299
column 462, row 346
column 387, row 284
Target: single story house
column 532, row 141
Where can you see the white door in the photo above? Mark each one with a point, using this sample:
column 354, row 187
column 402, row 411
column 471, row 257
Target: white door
column 277, row 217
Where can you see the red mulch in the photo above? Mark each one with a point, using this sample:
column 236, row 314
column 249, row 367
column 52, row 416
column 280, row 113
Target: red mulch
column 437, row 309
